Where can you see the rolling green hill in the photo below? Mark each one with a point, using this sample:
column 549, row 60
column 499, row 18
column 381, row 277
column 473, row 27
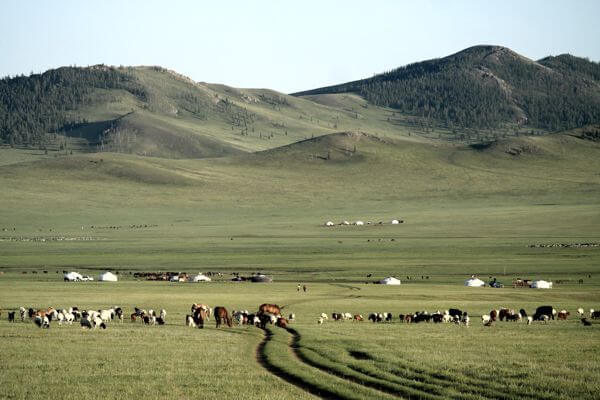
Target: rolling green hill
column 487, row 87
column 152, row 111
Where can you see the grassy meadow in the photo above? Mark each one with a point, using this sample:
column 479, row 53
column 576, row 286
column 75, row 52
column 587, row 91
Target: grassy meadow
column 465, row 212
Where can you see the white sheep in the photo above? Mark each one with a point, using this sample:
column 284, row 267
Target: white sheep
column 580, row 311
column 324, row 316
column 23, row 313
column 163, row 313
column 485, row 319
column 529, row 320
column 320, row 320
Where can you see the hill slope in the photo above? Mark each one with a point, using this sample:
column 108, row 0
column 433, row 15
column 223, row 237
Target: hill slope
column 156, row 112
column 487, row 87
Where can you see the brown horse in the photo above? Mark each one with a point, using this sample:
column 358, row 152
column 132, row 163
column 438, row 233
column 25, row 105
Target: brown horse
column 270, row 308
column 222, row 315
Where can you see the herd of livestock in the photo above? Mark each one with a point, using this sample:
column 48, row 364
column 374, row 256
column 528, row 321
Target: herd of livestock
column 271, row 314
column 454, row 315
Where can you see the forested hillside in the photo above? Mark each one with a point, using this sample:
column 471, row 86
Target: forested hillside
column 488, row 87
column 32, row 106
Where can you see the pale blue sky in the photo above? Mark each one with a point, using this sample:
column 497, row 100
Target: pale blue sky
column 283, row 45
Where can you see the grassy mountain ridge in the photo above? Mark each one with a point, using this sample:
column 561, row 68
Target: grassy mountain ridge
column 153, row 111
column 487, row 87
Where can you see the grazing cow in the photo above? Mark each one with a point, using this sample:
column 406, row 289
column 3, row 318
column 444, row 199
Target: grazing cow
column 544, row 310
column 22, row 313
column 336, row 316
column 453, row 312
column 580, row 311
column 11, row 316
column 358, row 317
column 222, row 316
column 529, row 320
column 594, row 314
column 488, row 323
column 30, row 313
column 563, row 314
column 160, row 320
column 324, row 316
column 346, row 316
column 523, row 313
column 485, row 319
column 408, row 318
column 585, row 322
column 388, row 317
column 268, row 308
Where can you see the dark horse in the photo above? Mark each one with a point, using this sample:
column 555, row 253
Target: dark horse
column 221, row 315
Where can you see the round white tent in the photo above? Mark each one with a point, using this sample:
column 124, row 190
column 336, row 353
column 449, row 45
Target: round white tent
column 474, row 282
column 200, row 278
column 541, row 285
column 108, row 277
column 390, row 281
column 73, row 276
column 329, row 223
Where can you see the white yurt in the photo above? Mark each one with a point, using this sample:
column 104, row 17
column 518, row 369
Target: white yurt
column 359, row 223
column 73, row 276
column 108, row 277
column 200, row 278
column 390, row 281
column 329, row 223
column 541, row 285
column 474, row 282
column 395, row 222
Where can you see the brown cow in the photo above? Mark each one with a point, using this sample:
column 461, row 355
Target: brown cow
column 222, row 315
column 270, row 308
column 358, row 317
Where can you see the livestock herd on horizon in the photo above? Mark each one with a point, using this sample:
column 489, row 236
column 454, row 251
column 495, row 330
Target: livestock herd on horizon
column 271, row 314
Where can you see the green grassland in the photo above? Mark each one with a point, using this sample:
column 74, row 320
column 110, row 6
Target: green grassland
column 465, row 210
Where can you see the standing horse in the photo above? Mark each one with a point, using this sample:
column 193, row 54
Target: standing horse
column 221, row 315
column 270, row 308
column 200, row 316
